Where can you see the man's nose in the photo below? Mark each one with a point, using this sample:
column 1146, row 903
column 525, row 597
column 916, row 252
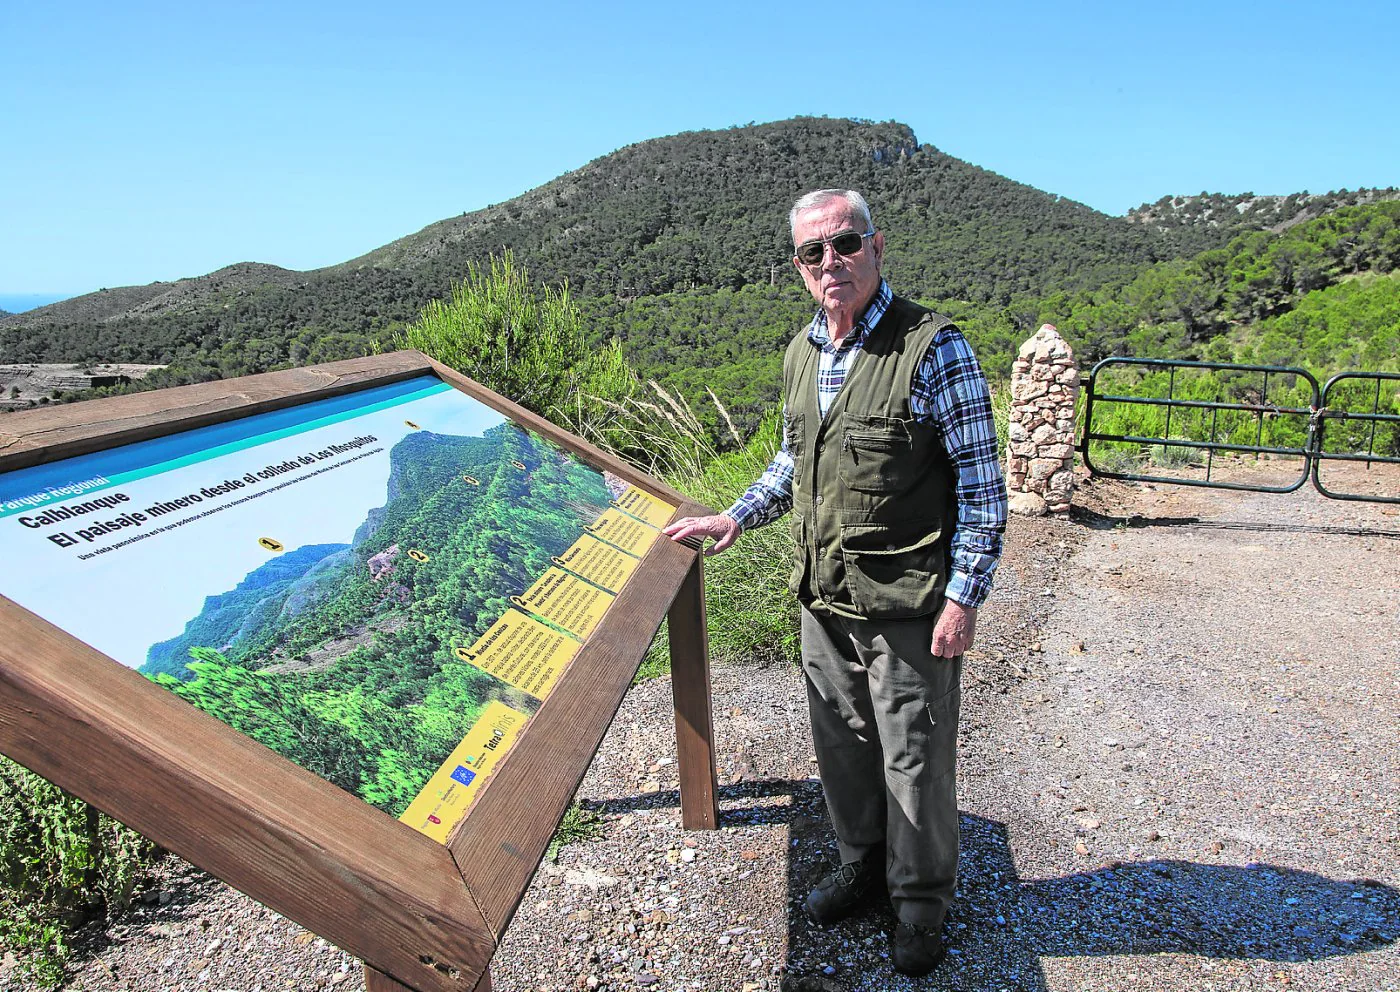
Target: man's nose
column 831, row 258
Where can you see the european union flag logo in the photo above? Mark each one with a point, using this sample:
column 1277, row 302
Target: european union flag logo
column 464, row 775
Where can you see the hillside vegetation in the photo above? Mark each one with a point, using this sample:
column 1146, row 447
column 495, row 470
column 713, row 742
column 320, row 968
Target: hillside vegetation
column 701, row 211
column 1183, row 308
column 676, row 250
column 1206, row 220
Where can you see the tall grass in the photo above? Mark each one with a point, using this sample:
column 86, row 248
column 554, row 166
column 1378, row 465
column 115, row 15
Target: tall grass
column 750, row 612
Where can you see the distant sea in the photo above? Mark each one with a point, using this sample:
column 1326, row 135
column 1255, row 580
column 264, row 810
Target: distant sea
column 20, row 302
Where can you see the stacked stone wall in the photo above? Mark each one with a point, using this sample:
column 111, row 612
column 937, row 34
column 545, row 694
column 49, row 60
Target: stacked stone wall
column 1040, row 437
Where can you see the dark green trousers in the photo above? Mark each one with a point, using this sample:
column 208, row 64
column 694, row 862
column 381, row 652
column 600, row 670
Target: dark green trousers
column 885, row 723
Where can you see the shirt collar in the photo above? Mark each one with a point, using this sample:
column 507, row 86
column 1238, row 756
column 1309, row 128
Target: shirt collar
column 817, row 332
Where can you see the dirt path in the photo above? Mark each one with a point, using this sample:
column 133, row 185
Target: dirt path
column 1178, row 771
column 1215, row 709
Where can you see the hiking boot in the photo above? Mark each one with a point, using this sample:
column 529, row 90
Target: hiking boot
column 840, row 892
column 917, row 950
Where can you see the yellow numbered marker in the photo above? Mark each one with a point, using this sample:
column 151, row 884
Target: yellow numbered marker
column 519, row 465
column 622, row 531
column 413, row 425
column 644, row 506
column 270, row 544
column 522, row 651
column 599, row 563
column 473, row 480
column 567, row 601
column 417, row 555
column 444, row 800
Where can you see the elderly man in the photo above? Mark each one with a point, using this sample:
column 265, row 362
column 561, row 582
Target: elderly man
column 889, row 467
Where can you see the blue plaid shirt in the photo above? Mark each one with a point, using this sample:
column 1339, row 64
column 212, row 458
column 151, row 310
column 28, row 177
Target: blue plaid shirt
column 948, row 391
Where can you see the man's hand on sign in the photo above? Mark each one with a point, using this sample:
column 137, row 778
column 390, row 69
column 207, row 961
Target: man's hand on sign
column 952, row 634
column 719, row 528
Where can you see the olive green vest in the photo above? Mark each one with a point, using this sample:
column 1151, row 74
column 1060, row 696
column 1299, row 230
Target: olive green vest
column 873, row 491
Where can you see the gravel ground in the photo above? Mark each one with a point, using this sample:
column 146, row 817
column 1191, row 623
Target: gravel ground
column 1178, row 771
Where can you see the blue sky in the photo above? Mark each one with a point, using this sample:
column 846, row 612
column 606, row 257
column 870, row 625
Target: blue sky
column 150, row 141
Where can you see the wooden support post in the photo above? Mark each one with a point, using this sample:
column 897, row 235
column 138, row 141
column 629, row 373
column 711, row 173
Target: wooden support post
column 377, row 981
column 690, row 686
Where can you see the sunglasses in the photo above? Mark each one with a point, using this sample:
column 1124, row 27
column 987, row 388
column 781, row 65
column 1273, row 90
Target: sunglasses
column 845, row 243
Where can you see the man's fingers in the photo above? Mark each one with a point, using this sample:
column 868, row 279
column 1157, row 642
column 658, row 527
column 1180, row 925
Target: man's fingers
column 718, row 527
column 686, row 527
column 677, row 526
column 724, row 541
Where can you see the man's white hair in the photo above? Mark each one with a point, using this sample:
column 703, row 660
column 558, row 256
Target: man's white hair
column 821, row 197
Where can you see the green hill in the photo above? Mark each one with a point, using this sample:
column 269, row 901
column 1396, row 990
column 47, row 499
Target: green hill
column 702, row 210
column 260, row 599
column 678, row 248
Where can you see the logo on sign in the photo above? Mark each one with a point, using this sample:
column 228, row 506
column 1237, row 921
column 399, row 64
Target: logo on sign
column 464, row 775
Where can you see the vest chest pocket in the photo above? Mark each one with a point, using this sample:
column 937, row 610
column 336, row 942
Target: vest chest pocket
column 877, row 457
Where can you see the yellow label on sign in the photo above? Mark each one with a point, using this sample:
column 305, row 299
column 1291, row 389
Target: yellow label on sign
column 270, row 543
column 522, row 651
column 567, row 601
column 444, row 800
column 617, row 528
column 643, row 505
column 599, row 563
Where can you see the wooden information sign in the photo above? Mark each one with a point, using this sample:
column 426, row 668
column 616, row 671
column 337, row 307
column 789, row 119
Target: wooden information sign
column 404, row 611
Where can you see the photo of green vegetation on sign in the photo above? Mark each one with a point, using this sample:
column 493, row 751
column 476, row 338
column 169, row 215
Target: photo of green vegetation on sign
column 310, row 577
column 363, row 630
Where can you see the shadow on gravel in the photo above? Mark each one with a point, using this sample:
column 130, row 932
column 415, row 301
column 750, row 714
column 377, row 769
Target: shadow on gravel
column 1000, row 926
column 158, row 914
column 729, row 796
column 1094, row 520
column 1218, row 911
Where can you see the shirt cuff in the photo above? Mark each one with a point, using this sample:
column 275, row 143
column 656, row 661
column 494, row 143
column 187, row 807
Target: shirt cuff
column 967, row 589
column 742, row 514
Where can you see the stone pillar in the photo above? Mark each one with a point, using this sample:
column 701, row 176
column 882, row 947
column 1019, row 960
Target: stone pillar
column 1040, row 438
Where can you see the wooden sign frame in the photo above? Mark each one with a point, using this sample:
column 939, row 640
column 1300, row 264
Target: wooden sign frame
column 421, row 915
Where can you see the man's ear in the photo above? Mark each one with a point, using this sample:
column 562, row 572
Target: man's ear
column 878, row 243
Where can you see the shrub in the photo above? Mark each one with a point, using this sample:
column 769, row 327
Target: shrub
column 525, row 342
column 1117, row 457
column 1174, row 455
column 1001, row 414
column 61, row 863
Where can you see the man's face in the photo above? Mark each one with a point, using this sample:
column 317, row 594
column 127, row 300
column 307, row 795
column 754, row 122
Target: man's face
column 839, row 282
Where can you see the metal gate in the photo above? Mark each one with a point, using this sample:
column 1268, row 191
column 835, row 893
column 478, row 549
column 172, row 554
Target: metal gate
column 1258, row 410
